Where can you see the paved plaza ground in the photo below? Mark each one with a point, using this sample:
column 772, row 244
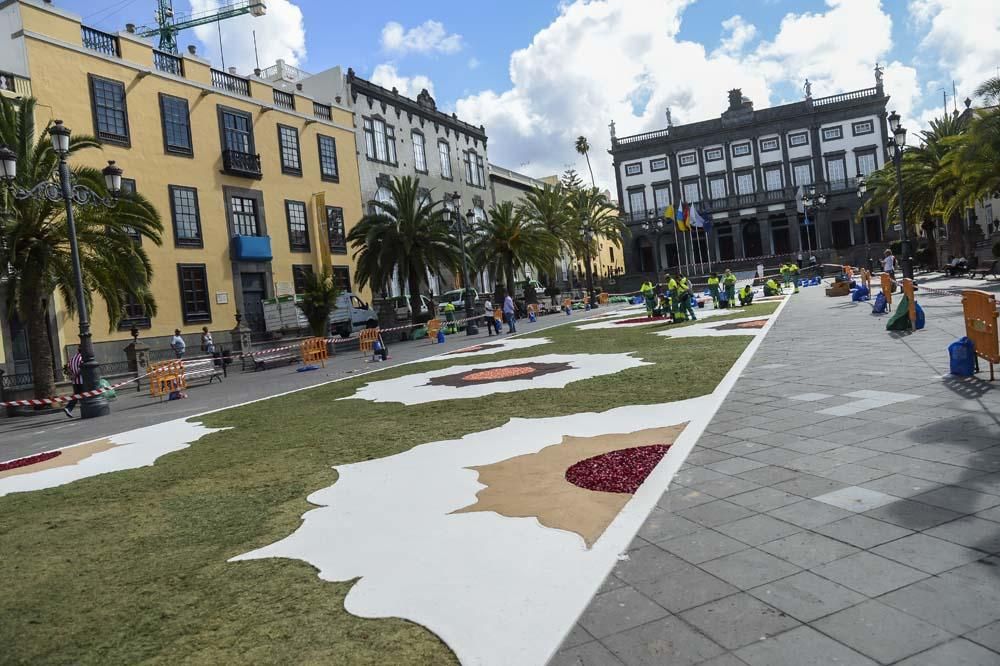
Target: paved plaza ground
column 843, row 507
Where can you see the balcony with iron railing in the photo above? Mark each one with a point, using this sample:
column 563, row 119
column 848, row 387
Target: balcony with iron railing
column 323, row 111
column 13, row 83
column 230, row 83
column 639, row 138
column 852, row 96
column 168, row 62
column 241, row 164
column 284, row 99
column 100, row 41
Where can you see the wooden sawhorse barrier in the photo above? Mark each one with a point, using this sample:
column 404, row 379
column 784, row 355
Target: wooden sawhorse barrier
column 314, row 349
column 979, row 309
column 887, row 288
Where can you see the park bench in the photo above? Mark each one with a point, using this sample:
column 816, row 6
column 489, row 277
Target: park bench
column 265, row 360
column 991, row 270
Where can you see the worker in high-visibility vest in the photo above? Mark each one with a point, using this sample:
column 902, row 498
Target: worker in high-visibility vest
column 729, row 284
column 686, row 295
column 746, row 295
column 449, row 315
column 771, row 288
column 713, row 288
column 649, row 296
column 677, row 309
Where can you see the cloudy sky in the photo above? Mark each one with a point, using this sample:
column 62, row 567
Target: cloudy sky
column 539, row 73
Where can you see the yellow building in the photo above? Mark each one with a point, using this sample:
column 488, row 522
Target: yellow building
column 256, row 182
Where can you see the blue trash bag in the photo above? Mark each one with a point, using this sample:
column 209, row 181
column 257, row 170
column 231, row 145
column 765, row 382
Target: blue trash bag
column 440, row 337
column 880, row 306
column 919, row 323
column 962, row 355
column 862, row 293
column 814, row 282
column 531, row 316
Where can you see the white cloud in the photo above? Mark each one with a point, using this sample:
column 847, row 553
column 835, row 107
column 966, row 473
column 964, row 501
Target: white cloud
column 428, row 37
column 387, row 76
column 474, row 63
column 963, row 37
column 280, row 34
column 627, row 61
column 739, row 33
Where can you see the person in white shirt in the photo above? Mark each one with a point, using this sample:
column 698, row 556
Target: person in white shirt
column 491, row 321
column 889, row 264
column 177, row 343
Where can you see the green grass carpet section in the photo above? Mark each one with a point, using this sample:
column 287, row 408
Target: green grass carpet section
column 130, row 567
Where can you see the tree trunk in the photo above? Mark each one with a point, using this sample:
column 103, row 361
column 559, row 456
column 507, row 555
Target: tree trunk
column 39, row 348
column 414, row 294
column 930, row 227
column 956, row 235
column 509, row 275
column 589, row 168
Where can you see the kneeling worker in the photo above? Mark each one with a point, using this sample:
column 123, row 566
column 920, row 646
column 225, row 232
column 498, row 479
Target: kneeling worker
column 771, row 288
column 746, row 295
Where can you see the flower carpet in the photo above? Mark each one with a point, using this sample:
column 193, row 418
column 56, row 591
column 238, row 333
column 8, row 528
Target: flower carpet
column 459, row 509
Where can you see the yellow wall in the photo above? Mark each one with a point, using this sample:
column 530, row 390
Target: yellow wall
column 59, row 78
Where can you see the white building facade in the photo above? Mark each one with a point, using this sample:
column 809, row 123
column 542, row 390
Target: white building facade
column 745, row 169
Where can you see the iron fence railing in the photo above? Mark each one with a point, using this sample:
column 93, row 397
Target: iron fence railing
column 322, row 111
column 284, row 100
column 241, row 164
column 230, row 82
column 845, row 97
column 168, row 62
column 100, row 41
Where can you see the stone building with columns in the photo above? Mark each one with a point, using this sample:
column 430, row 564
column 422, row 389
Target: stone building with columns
column 747, row 170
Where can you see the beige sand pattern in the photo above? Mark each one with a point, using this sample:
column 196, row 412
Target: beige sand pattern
column 70, row 456
column 535, row 485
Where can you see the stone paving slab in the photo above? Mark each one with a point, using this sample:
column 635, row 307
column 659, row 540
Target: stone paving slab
column 842, row 507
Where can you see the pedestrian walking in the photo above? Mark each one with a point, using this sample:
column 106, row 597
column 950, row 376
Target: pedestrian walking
column 74, row 371
column 889, row 266
column 509, row 314
column 491, row 322
column 207, row 343
column 177, row 344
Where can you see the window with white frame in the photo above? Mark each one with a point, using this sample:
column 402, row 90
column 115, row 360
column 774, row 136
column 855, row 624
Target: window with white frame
column 798, row 139
column 692, row 192
column 836, row 171
column 863, row 127
column 481, row 170
column 633, row 169
column 744, row 183
column 866, row 164
column 658, row 164
column 444, row 155
column 717, row 187
column 772, row 179
column 803, row 174
column 419, row 157
column 767, row 145
column 833, row 133
column 661, row 197
column 713, row 154
column 741, row 149
column 687, row 159
column 380, row 140
column 637, row 201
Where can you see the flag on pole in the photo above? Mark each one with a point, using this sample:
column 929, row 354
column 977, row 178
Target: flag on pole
column 801, row 207
column 683, row 224
column 669, row 214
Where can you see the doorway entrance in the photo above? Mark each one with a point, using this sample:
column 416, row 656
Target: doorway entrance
column 752, row 245
column 254, row 292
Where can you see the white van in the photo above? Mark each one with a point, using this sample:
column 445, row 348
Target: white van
column 352, row 315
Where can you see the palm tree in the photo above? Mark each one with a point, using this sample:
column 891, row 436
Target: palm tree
column 929, row 186
column 34, row 241
column 583, row 147
column 319, row 299
column 974, row 161
column 591, row 210
column 508, row 240
column 989, row 90
column 406, row 236
column 548, row 206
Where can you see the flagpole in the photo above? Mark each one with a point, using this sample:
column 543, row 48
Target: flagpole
column 708, row 250
column 677, row 245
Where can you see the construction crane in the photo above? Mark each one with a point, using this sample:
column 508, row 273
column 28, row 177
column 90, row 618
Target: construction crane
column 167, row 25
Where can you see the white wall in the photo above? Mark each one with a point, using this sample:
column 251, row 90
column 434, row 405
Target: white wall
column 13, row 55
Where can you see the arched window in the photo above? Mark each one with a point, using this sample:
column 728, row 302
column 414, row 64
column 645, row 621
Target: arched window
column 479, row 214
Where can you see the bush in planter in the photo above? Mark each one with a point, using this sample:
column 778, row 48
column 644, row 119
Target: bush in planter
column 896, row 247
column 552, row 292
column 319, row 299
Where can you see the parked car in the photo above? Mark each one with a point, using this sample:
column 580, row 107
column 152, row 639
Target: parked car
column 456, row 298
column 401, row 304
column 352, row 314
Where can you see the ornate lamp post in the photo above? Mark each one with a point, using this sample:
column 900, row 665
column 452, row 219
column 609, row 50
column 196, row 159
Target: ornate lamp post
column 895, row 146
column 453, row 205
column 70, row 193
column 657, row 226
column 812, row 203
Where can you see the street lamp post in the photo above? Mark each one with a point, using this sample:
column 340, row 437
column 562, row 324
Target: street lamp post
column 895, row 146
column 70, row 193
column 453, row 204
column 588, row 239
column 862, row 190
column 657, row 225
column 812, row 203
